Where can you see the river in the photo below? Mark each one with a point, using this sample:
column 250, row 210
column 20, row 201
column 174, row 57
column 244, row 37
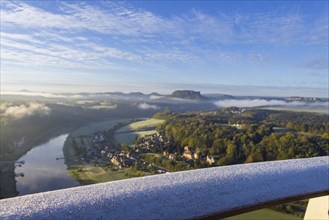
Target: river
column 43, row 171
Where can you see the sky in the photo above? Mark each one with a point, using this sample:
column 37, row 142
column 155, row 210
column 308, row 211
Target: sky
column 263, row 48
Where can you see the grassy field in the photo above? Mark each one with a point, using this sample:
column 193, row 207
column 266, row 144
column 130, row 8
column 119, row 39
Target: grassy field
column 90, row 129
column 149, row 124
column 128, row 133
column 264, row 214
column 94, row 174
column 129, row 138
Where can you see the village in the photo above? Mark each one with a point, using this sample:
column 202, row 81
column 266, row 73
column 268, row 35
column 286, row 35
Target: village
column 159, row 143
column 100, row 151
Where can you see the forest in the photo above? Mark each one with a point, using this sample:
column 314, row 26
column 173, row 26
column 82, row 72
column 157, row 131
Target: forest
column 234, row 135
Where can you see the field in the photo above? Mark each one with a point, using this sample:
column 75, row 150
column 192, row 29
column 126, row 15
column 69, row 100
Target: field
column 264, row 214
column 128, row 133
column 94, row 174
column 129, row 137
column 90, row 129
column 145, row 125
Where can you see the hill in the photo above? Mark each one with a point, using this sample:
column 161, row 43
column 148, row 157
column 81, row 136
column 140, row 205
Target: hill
column 187, row 94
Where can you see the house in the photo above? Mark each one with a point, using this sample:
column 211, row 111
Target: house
column 166, row 153
column 210, row 160
column 172, row 157
column 188, row 155
column 196, row 156
column 115, row 160
column 237, row 125
column 130, row 154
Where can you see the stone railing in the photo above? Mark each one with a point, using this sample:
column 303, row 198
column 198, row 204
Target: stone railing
column 204, row 193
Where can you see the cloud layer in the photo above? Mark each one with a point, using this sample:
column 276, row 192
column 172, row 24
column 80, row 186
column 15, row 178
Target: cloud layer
column 25, row 110
column 145, row 106
column 263, row 102
column 63, row 37
column 118, row 43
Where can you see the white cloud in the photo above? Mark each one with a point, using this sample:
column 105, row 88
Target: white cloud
column 39, row 52
column 42, row 94
column 27, row 16
column 229, row 57
column 169, row 55
column 20, row 111
column 318, row 33
column 316, row 63
column 156, row 97
column 111, row 52
column 116, row 20
column 18, row 37
column 124, row 20
column 263, row 102
column 274, row 28
column 145, row 106
column 199, row 25
column 123, row 34
column 258, row 58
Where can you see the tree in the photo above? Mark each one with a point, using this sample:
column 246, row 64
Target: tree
column 232, row 150
column 74, row 144
column 81, row 139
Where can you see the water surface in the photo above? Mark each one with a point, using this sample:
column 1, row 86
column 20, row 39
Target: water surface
column 42, row 170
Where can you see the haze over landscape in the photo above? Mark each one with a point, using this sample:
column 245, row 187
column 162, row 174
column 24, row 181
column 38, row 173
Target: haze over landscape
column 268, row 48
column 191, row 91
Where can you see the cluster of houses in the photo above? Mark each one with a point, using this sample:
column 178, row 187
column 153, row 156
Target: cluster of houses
column 156, row 143
column 123, row 160
column 99, row 149
column 152, row 143
column 188, row 154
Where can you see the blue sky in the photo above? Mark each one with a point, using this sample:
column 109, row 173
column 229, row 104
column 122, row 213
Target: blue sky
column 267, row 48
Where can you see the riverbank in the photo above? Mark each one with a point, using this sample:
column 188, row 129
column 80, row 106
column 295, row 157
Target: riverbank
column 85, row 148
column 79, row 141
column 41, row 169
column 42, row 138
